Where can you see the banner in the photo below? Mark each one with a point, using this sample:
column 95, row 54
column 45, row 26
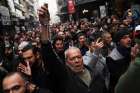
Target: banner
column 71, row 7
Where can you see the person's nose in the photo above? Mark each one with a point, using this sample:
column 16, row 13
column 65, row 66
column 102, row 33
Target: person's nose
column 129, row 39
column 76, row 60
column 11, row 91
column 111, row 39
column 59, row 46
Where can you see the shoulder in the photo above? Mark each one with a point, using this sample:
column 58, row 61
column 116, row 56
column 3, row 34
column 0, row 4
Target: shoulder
column 115, row 55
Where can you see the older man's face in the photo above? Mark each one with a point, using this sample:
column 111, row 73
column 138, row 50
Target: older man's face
column 75, row 61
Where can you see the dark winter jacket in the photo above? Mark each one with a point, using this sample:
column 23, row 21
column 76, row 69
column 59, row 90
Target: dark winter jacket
column 65, row 80
column 117, row 62
column 130, row 81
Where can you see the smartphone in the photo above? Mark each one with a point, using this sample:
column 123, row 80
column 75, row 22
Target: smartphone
column 46, row 5
column 48, row 13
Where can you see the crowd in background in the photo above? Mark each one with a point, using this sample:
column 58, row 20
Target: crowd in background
column 106, row 45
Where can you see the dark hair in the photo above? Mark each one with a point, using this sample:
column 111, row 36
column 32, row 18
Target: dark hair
column 13, row 73
column 81, row 33
column 3, row 73
column 30, row 46
column 56, row 39
column 118, row 35
column 21, row 75
column 27, row 47
column 36, row 50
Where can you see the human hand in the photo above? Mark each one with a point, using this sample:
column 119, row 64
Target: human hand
column 44, row 15
column 31, row 87
column 135, row 51
column 99, row 43
column 96, row 45
column 25, row 69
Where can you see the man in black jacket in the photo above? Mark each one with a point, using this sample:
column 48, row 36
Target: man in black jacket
column 33, row 66
column 120, row 57
column 130, row 81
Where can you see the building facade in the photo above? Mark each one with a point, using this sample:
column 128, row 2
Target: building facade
column 62, row 11
column 20, row 15
column 5, row 21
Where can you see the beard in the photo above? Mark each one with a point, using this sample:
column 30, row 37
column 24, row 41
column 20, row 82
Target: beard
column 60, row 51
column 36, row 64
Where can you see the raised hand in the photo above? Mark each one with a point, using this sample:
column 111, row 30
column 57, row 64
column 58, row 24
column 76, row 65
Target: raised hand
column 32, row 88
column 98, row 44
column 44, row 15
column 135, row 51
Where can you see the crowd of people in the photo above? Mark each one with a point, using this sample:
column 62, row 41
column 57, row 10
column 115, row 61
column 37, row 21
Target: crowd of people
column 81, row 56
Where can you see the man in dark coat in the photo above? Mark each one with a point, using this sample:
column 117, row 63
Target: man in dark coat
column 73, row 77
column 130, row 81
column 119, row 59
column 33, row 66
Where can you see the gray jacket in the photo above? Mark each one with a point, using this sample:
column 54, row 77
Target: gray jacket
column 97, row 61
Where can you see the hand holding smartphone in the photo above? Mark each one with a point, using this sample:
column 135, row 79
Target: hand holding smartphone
column 44, row 15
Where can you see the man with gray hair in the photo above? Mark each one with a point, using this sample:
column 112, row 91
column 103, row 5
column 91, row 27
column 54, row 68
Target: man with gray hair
column 79, row 78
column 74, row 59
column 73, row 77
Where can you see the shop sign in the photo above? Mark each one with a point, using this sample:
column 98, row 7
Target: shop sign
column 71, row 7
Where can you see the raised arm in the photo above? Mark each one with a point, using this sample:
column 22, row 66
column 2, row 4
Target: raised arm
column 44, row 18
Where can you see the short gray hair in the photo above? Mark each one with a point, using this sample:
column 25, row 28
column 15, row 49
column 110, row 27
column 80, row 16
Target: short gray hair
column 70, row 48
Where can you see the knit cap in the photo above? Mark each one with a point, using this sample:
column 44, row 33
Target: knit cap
column 119, row 35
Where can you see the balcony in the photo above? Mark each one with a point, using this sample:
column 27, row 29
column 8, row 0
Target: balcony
column 19, row 6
